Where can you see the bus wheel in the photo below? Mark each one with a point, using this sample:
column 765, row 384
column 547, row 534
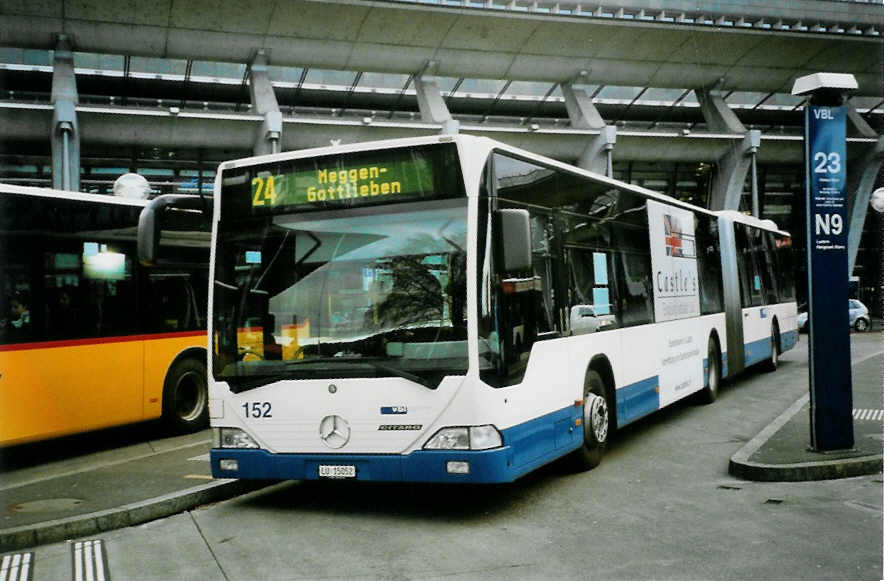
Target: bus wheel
column 596, row 424
column 710, row 393
column 774, row 361
column 186, row 397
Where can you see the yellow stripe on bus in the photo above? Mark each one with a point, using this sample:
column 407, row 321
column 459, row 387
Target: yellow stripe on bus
column 65, row 389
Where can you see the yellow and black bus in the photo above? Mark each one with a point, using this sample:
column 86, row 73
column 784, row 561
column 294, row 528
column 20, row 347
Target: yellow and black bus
column 89, row 337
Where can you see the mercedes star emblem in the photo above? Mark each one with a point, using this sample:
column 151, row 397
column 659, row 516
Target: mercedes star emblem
column 334, row 431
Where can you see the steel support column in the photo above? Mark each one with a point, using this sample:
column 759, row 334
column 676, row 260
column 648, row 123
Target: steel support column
column 732, row 168
column 65, row 137
column 432, row 107
column 730, row 173
column 861, row 175
column 269, row 135
column 597, row 156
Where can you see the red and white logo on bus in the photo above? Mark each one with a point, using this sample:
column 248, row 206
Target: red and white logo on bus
column 678, row 244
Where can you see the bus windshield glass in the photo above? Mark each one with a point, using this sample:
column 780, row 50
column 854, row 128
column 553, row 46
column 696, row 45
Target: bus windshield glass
column 361, row 291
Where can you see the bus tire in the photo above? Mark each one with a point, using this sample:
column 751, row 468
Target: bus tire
column 710, row 393
column 596, row 423
column 186, row 397
column 774, row 362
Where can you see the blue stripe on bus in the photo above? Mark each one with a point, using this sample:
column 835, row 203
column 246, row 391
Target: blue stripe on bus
column 526, row 446
column 538, row 441
column 757, row 351
column 788, row 340
column 637, row 400
column 760, row 350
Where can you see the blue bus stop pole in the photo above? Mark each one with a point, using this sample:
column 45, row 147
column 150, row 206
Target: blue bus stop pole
column 825, row 155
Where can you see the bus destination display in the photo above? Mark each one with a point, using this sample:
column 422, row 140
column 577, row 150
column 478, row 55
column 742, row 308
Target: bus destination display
column 334, row 182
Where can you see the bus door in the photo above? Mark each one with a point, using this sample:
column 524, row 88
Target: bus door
column 755, row 281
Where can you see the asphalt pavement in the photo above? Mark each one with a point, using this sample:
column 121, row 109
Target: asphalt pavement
column 128, row 476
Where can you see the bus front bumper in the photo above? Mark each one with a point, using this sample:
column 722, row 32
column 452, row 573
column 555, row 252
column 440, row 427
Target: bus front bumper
column 485, row 466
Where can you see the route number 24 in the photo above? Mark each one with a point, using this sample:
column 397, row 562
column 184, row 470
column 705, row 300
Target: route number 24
column 826, row 162
column 257, row 409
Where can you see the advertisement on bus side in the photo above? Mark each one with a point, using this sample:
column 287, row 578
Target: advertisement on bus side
column 676, row 296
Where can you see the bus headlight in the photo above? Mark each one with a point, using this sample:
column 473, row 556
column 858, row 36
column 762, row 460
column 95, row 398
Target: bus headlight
column 233, row 438
column 465, row 438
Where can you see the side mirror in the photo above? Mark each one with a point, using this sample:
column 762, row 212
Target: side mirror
column 186, row 217
column 516, row 234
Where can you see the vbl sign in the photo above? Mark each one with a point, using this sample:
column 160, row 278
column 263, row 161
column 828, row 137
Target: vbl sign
column 827, row 277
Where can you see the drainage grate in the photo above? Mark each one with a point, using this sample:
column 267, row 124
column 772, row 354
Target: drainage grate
column 17, row 567
column 868, row 414
column 89, row 561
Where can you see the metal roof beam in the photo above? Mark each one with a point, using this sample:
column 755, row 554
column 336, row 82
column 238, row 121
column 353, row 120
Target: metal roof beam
column 581, row 110
column 65, row 136
column 263, row 98
column 432, row 106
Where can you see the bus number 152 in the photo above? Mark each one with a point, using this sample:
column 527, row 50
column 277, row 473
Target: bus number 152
column 257, row 409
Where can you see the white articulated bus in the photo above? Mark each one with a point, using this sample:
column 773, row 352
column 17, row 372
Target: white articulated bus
column 452, row 309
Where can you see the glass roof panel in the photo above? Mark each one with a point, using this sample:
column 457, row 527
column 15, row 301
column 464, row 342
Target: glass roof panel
column 623, row 93
column 382, row 81
column 19, row 56
column 488, row 86
column 102, row 62
column 784, row 99
column 865, row 102
column 528, row 88
column 218, row 70
column 750, row 98
column 667, row 96
column 157, row 66
column 284, row 74
column 330, row 77
column 446, row 84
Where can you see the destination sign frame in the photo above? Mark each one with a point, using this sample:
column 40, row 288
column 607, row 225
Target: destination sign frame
column 346, row 180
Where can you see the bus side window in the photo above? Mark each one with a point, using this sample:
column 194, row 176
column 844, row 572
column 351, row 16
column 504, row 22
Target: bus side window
column 173, row 306
column 709, row 264
column 750, row 280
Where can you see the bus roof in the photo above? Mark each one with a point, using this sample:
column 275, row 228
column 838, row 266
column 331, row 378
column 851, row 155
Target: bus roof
column 488, row 145
column 81, row 196
column 742, row 218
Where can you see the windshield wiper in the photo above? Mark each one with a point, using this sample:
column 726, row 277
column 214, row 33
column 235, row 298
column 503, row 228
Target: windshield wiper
column 240, row 384
column 373, row 363
column 402, row 373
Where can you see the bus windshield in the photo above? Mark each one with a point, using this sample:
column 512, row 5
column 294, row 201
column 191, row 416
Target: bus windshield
column 362, row 292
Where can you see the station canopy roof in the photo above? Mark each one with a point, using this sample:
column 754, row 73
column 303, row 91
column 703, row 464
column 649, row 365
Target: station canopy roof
column 489, row 39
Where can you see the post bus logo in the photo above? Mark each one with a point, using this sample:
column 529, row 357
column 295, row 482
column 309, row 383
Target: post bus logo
column 334, row 431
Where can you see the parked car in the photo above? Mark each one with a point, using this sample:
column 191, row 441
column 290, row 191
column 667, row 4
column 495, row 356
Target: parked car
column 585, row 320
column 858, row 313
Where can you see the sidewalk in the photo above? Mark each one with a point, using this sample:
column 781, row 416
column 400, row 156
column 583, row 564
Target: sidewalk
column 83, row 495
column 780, row 453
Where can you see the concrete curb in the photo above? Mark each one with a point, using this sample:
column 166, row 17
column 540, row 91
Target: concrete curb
column 834, row 468
column 127, row 515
